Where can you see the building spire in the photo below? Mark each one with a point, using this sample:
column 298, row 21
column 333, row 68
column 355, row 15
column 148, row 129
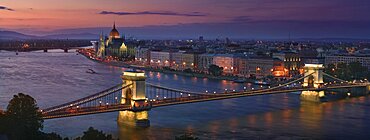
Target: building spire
column 114, row 25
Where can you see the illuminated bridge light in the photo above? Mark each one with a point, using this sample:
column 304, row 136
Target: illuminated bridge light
column 115, row 98
column 245, row 87
column 225, row 89
column 214, row 92
column 252, row 88
column 180, row 93
column 100, row 102
column 107, row 103
column 165, row 97
column 157, row 96
column 234, row 90
column 71, row 105
column 206, row 91
column 78, row 106
column 189, row 95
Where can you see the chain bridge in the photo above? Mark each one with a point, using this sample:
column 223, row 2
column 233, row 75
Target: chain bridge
column 135, row 96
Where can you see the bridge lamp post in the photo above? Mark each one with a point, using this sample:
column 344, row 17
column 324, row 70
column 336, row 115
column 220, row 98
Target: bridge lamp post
column 100, row 103
column 116, row 98
column 181, row 94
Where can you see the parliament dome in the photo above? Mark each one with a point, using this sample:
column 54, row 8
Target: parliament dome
column 114, row 33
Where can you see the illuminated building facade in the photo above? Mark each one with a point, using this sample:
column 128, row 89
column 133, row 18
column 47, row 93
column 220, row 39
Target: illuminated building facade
column 160, row 58
column 182, row 60
column 335, row 59
column 228, row 62
column 255, row 66
column 292, row 61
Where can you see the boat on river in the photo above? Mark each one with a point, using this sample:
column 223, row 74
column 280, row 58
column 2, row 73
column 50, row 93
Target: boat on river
column 91, row 71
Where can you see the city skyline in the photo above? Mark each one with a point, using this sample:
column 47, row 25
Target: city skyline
column 236, row 18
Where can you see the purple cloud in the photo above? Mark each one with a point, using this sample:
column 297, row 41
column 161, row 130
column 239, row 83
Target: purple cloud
column 6, row 8
column 163, row 13
column 241, row 19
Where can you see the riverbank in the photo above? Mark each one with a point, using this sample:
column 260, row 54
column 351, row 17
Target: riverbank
column 192, row 74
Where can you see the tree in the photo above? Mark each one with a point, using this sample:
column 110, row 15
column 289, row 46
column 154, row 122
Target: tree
column 188, row 70
column 2, row 122
column 93, row 134
column 23, row 119
column 53, row 136
column 215, row 70
column 357, row 70
column 186, row 136
column 351, row 71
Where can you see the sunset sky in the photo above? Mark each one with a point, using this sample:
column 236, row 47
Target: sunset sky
column 257, row 16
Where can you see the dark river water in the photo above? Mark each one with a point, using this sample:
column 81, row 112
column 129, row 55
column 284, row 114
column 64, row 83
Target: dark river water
column 55, row 77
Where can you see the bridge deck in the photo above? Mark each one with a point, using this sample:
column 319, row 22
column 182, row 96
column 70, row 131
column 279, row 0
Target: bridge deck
column 68, row 112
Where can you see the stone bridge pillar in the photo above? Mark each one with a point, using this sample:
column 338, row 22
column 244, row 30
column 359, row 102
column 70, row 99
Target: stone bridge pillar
column 313, row 81
column 135, row 96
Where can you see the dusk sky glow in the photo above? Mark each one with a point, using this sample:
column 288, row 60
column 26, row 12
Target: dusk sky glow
column 263, row 18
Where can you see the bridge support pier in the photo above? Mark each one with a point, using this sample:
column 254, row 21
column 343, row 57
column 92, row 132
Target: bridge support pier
column 135, row 96
column 313, row 96
column 132, row 118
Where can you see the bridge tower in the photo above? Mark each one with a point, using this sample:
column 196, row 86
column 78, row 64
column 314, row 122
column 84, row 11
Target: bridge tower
column 134, row 95
column 316, row 79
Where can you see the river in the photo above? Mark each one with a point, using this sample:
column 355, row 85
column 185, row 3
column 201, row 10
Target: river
column 56, row 77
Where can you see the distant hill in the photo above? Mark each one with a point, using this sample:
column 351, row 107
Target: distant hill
column 11, row 35
column 73, row 36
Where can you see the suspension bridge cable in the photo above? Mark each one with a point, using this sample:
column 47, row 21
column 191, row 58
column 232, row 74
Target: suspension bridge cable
column 88, row 98
column 335, row 78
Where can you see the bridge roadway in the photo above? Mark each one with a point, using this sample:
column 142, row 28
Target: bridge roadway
column 69, row 112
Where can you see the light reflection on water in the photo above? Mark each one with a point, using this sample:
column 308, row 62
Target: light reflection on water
column 56, row 77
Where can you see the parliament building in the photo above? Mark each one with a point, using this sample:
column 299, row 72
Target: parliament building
column 114, row 45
